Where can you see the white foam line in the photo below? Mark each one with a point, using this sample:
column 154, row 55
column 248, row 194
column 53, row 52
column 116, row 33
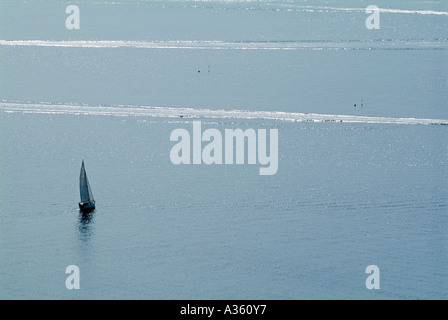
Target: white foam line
column 424, row 12
column 185, row 113
column 384, row 10
column 279, row 6
column 237, row 45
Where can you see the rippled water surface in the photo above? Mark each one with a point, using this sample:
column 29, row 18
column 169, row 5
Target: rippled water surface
column 362, row 150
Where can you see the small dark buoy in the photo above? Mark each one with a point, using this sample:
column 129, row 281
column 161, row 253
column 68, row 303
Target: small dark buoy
column 355, row 104
column 199, row 71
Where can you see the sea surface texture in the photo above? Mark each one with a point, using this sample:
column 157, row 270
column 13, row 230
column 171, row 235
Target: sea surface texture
column 362, row 121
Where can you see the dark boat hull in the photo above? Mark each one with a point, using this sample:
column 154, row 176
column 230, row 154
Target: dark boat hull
column 86, row 206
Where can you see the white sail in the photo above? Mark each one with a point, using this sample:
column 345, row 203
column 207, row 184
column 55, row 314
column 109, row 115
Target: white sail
column 84, row 187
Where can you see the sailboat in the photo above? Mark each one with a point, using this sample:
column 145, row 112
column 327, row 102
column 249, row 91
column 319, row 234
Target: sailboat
column 87, row 202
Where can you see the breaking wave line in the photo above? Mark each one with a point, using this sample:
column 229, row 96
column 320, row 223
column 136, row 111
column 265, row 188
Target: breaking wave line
column 262, row 5
column 195, row 113
column 383, row 10
column 386, row 44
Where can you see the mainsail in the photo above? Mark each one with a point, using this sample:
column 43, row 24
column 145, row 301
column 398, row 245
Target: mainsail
column 84, row 187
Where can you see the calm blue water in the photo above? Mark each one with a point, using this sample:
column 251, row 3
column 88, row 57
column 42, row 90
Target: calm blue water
column 346, row 195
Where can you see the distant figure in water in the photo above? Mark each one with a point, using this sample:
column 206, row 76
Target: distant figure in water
column 362, row 103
